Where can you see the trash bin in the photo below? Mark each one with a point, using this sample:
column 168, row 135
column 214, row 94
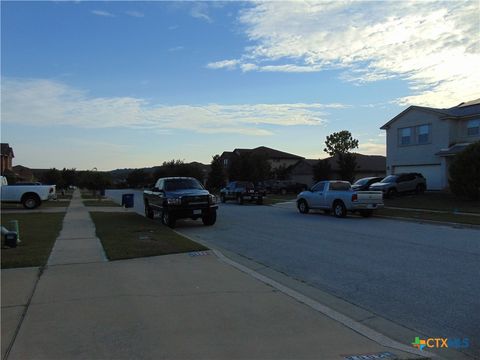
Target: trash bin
column 127, row 200
column 11, row 239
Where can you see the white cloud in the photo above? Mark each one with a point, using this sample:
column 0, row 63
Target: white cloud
column 102, row 13
column 137, row 14
column 431, row 44
column 371, row 148
column 42, row 102
column 199, row 10
column 176, row 48
column 224, row 64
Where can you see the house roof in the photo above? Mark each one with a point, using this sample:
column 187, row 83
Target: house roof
column 267, row 152
column 6, row 150
column 463, row 109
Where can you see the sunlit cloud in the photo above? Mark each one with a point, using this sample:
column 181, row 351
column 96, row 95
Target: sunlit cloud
column 433, row 45
column 43, row 102
column 102, row 13
column 199, row 10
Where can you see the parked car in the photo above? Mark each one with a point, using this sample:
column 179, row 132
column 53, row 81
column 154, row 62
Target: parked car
column 30, row 196
column 180, row 198
column 338, row 197
column 242, row 191
column 400, row 183
column 364, row 184
column 287, row 186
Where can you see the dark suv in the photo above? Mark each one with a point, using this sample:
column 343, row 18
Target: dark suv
column 399, row 183
column 180, row 198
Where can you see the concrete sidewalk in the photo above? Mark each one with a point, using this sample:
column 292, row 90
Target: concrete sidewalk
column 77, row 242
column 184, row 306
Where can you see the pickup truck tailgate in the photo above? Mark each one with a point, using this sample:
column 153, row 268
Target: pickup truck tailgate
column 370, row 197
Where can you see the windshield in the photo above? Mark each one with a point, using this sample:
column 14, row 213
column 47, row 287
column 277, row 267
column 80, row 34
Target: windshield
column 389, row 179
column 361, row 182
column 182, row 184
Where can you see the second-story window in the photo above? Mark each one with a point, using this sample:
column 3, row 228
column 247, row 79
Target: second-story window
column 405, row 136
column 473, row 127
column 423, row 133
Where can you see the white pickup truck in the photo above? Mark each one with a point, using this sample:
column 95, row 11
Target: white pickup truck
column 338, row 196
column 31, row 196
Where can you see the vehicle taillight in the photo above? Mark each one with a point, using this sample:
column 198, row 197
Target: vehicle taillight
column 354, row 197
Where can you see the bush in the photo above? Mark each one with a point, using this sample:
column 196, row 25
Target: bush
column 465, row 173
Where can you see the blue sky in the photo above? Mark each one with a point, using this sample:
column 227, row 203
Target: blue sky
column 132, row 84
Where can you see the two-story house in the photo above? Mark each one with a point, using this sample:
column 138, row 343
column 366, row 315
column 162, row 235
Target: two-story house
column 276, row 158
column 425, row 140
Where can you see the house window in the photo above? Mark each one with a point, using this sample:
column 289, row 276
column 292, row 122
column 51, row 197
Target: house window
column 473, row 127
column 423, row 132
column 225, row 162
column 405, row 136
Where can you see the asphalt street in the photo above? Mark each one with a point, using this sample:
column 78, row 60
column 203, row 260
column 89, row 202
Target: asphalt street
column 424, row 277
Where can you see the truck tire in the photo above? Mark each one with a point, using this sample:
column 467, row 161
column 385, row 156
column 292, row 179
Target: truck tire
column 168, row 219
column 303, row 207
column 339, row 209
column 223, row 199
column 31, row 201
column 239, row 199
column 210, row 218
column 149, row 211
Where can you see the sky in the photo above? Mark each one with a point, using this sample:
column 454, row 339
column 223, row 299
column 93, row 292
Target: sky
column 123, row 84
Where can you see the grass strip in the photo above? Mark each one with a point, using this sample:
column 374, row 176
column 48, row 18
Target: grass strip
column 442, row 201
column 420, row 215
column 129, row 235
column 102, row 202
column 38, row 232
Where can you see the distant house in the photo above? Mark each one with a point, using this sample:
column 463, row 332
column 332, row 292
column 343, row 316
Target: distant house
column 425, row 140
column 6, row 157
column 367, row 166
column 276, row 158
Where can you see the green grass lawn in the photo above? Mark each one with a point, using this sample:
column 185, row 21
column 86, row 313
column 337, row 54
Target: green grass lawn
column 128, row 235
column 37, row 233
column 278, row 198
column 442, row 201
column 443, row 217
column 45, row 204
column 100, row 202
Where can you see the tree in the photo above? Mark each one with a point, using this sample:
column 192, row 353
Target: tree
column 465, row 172
column 282, row 172
column 322, row 170
column 137, row 178
column 69, row 177
column 52, row 177
column 339, row 145
column 179, row 168
column 249, row 167
column 216, row 177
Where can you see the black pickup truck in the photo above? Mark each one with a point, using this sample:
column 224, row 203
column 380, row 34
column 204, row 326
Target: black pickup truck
column 241, row 191
column 180, row 198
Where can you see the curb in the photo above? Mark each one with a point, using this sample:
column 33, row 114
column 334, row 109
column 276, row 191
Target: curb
column 432, row 222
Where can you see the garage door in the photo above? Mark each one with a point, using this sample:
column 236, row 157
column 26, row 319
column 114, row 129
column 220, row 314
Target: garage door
column 432, row 173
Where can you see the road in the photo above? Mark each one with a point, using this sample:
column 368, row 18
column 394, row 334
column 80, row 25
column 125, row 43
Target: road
column 424, row 277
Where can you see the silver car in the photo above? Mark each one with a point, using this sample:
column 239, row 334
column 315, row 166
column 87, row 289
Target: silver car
column 400, row 183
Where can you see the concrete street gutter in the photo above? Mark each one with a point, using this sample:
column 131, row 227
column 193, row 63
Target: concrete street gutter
column 317, row 306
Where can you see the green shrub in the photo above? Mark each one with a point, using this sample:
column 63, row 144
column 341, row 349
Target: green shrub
column 465, row 172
